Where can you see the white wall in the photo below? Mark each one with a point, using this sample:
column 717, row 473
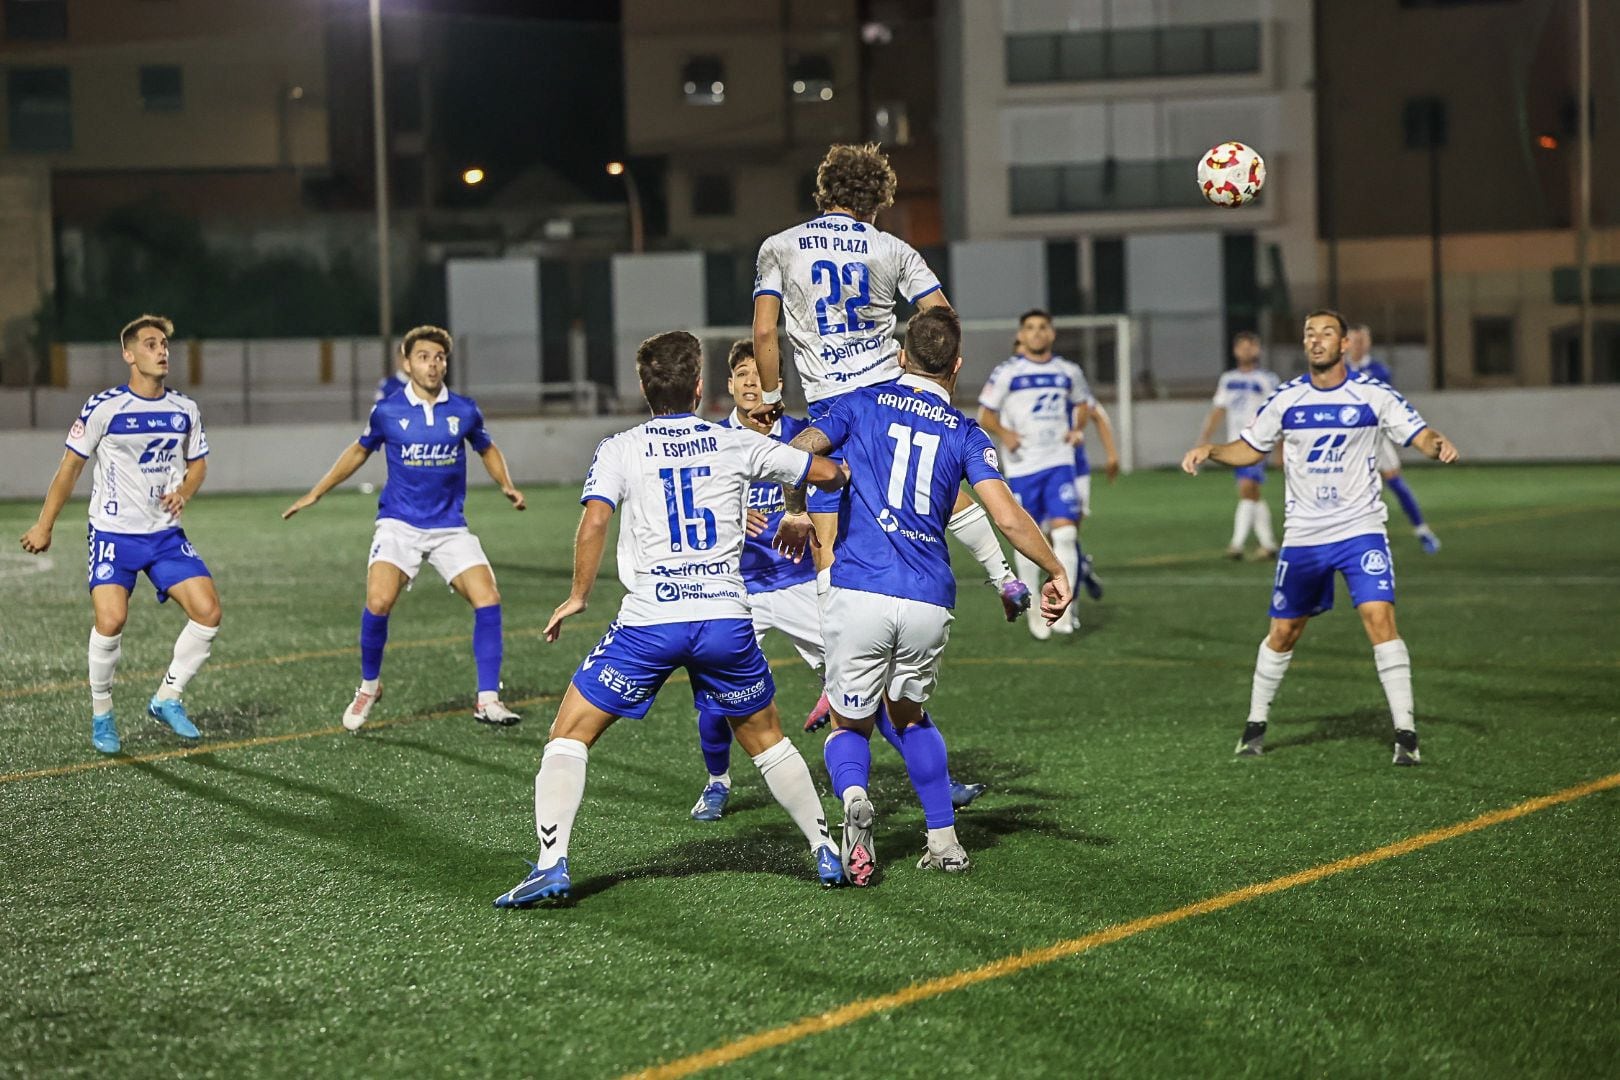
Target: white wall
column 1554, row 424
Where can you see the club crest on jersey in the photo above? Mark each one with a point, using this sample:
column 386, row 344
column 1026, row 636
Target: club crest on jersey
column 1349, row 415
column 1278, row 600
column 104, row 571
column 77, row 430
column 177, row 421
column 990, row 458
column 455, row 424
column 1374, row 562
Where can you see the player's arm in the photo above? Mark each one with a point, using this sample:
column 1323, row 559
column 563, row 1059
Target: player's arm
column 353, row 456
column 176, row 500
column 1237, row 452
column 933, row 299
column 990, row 420
column 38, row 537
column 495, row 465
column 795, row 532
column 590, row 540
column 1211, row 423
column 768, row 355
column 1435, row 445
column 1014, row 522
column 1105, row 434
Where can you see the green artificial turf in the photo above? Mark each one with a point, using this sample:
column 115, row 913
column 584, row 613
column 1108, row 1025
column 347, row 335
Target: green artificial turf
column 320, row 905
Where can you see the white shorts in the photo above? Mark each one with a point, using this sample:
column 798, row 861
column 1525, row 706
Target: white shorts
column 881, row 646
column 1082, row 491
column 450, row 551
column 1389, row 456
column 796, row 612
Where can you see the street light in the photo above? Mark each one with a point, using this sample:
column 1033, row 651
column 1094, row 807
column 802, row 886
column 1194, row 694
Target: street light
column 473, row 176
column 633, row 193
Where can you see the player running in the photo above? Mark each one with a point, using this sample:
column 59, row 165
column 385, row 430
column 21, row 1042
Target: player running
column 151, row 458
column 837, row 277
column 1036, row 404
column 1358, row 356
column 683, row 485
column 782, row 593
column 1330, row 423
column 421, row 430
column 1238, row 396
column 888, row 613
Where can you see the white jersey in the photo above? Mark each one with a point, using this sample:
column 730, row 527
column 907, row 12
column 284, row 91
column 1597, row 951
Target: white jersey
column 1330, row 454
column 141, row 447
column 1036, row 400
column 1241, row 393
column 681, row 486
column 838, row 280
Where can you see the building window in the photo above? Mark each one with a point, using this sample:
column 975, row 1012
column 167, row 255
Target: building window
column 36, row 20
column 703, row 81
column 1493, row 346
column 39, row 109
column 161, row 88
column 1108, row 275
column 810, row 79
column 1138, row 53
column 712, row 195
column 891, row 123
column 1102, row 185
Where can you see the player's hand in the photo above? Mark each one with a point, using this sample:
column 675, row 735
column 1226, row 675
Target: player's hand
column 1112, row 469
column 173, row 502
column 1445, row 449
column 756, row 523
column 795, row 535
column 1194, row 458
column 1056, row 595
column 571, row 606
column 1075, row 437
column 1010, row 441
column 37, row 540
column 765, row 413
column 515, row 497
column 304, row 503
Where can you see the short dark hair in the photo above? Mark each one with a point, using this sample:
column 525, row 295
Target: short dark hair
column 742, row 351
column 669, row 365
column 1033, row 313
column 436, row 334
column 141, row 322
column 1246, row 335
column 934, row 339
column 855, row 178
column 1344, row 327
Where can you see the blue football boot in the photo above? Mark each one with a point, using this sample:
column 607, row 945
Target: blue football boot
column 549, row 884
column 1089, row 578
column 1015, row 599
column 712, row 803
column 104, row 734
column 171, row 712
column 828, row 868
column 962, row 795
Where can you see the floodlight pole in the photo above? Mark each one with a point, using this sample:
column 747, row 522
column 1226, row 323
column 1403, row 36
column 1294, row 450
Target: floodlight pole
column 1583, row 234
column 379, row 123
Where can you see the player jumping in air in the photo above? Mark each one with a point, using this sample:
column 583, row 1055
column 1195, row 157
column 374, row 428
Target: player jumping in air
column 888, row 613
column 1358, row 356
column 1036, row 405
column 782, row 593
column 682, row 485
column 421, row 430
column 837, row 278
column 1238, row 396
column 151, row 458
column 1330, row 423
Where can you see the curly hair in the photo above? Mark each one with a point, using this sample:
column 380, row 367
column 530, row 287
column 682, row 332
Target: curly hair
column 855, row 178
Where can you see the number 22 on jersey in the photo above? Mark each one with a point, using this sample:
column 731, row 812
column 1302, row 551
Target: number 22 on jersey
column 835, row 278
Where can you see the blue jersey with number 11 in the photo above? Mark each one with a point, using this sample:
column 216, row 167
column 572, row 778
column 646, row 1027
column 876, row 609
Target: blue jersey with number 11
column 908, row 452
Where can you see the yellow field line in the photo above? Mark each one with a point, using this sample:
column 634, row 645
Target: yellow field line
column 1012, row 965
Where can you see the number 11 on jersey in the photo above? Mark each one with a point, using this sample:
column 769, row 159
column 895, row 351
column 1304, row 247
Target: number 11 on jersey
column 927, row 449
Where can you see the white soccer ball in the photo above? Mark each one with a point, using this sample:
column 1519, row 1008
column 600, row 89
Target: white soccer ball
column 367, row 488
column 1231, row 174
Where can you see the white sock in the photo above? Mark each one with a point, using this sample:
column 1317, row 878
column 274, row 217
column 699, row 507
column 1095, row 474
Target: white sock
column 1262, row 526
column 488, row 697
column 1066, row 542
column 788, row 777
column 1269, row 669
column 1395, row 672
column 972, row 527
column 104, row 654
column 559, row 788
column 1242, row 521
column 369, row 686
column 723, row 779
column 1030, row 575
column 940, row 839
column 191, row 648
column 854, row 791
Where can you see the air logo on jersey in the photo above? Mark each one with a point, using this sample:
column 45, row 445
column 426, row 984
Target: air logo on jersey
column 1374, row 563
column 1327, row 448
column 158, row 451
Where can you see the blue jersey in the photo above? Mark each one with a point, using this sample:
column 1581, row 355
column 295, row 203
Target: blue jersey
column 764, row 569
column 390, row 385
column 908, row 452
column 1377, row 370
column 427, row 471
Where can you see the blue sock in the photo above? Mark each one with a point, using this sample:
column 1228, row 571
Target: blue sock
column 1397, row 484
column 885, row 728
column 849, row 760
column 1080, row 553
column 923, row 747
column 373, row 637
column 714, row 732
column 487, row 647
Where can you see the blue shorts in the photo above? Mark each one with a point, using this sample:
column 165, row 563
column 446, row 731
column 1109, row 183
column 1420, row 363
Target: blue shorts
column 1304, row 585
column 167, row 558
column 1255, row 472
column 629, row 665
column 1048, row 494
column 825, row 502
column 1082, row 467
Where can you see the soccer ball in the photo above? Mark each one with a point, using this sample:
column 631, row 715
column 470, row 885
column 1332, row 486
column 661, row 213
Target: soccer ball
column 1231, row 174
